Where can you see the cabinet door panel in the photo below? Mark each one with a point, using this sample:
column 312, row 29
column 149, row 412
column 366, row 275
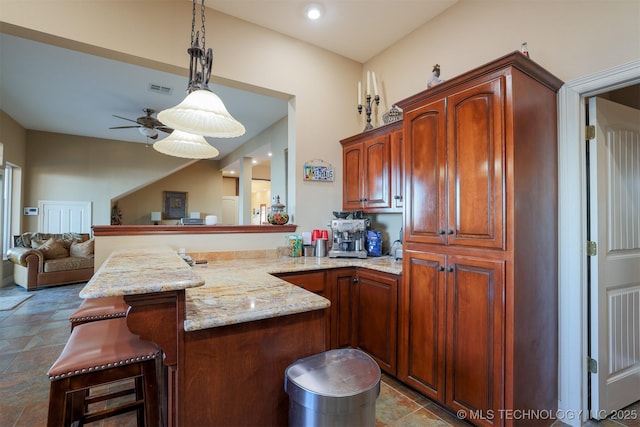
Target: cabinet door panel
column 343, row 316
column 425, row 161
column 476, row 165
column 352, row 186
column 312, row 281
column 421, row 347
column 397, row 169
column 475, row 334
column 376, row 300
column 316, row 282
column 377, row 164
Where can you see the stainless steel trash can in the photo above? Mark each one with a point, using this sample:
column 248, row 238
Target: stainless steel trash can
column 334, row 388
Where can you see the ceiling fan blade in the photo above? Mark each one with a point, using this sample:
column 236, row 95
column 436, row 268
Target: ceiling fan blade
column 164, row 129
column 125, row 127
column 124, row 118
column 154, row 137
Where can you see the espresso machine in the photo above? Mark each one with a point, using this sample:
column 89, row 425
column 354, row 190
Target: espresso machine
column 348, row 238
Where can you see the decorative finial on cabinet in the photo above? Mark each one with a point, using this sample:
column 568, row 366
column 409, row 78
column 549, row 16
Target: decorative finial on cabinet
column 524, row 49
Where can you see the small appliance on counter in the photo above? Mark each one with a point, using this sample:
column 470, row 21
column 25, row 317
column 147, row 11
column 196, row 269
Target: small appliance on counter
column 191, row 221
column 348, row 238
column 396, row 248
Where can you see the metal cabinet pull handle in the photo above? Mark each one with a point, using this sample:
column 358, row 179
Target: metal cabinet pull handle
column 440, row 268
column 450, row 269
column 441, row 232
column 450, row 232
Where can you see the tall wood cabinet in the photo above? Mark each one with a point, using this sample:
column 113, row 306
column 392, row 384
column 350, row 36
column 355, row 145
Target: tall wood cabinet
column 373, row 170
column 478, row 305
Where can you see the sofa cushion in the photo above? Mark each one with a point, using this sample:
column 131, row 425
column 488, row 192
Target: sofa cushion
column 82, row 249
column 68, row 263
column 52, row 249
column 26, row 239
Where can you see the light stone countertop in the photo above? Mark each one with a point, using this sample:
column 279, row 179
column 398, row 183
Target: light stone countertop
column 243, row 290
column 226, row 290
column 130, row 272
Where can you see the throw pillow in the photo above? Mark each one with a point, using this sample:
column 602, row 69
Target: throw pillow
column 82, row 249
column 52, row 249
column 36, row 243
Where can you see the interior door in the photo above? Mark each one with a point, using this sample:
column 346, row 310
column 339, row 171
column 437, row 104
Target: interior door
column 63, row 216
column 615, row 273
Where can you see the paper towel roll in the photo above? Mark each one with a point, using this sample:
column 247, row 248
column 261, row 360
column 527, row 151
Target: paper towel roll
column 211, row 220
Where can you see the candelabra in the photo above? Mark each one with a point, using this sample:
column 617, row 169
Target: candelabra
column 367, row 109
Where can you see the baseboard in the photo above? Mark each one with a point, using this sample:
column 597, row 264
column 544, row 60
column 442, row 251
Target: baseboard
column 7, row 282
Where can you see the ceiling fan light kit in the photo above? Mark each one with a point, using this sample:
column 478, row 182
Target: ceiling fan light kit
column 147, row 125
column 148, row 132
column 186, row 145
column 202, row 112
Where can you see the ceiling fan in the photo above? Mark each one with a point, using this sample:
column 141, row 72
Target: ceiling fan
column 147, row 125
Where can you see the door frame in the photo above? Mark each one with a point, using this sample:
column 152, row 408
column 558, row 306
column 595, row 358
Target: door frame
column 572, row 213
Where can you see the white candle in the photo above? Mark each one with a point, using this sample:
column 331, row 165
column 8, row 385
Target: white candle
column 359, row 93
column 375, row 85
column 368, row 82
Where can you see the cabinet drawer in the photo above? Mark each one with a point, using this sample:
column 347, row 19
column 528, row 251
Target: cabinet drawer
column 311, row 281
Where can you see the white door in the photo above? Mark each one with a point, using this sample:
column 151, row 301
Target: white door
column 615, row 273
column 229, row 210
column 63, row 217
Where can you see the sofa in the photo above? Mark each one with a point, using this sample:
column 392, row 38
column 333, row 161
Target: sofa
column 47, row 259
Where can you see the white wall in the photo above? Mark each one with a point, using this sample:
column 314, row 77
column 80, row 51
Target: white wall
column 568, row 38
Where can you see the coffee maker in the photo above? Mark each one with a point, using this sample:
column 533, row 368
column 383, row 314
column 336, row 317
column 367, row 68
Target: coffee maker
column 348, row 238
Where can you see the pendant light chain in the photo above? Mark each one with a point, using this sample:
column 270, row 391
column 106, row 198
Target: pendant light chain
column 202, row 113
column 204, row 48
column 193, row 23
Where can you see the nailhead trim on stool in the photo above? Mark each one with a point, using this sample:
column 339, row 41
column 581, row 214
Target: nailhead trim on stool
column 93, row 309
column 98, row 353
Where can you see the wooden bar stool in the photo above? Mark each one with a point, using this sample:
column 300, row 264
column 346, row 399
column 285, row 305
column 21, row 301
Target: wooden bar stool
column 93, row 309
column 98, row 354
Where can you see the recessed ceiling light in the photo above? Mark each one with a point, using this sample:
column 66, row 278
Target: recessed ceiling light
column 313, row 11
column 254, row 161
column 270, row 154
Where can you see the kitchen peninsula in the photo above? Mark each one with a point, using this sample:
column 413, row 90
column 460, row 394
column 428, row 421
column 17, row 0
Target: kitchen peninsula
column 228, row 329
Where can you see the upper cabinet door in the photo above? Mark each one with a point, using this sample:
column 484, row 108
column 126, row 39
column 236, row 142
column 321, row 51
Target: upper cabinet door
column 476, row 144
column 397, row 169
column 425, row 162
column 352, row 160
column 377, row 179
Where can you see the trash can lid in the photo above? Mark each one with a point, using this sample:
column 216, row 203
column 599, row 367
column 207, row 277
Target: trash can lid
column 342, row 372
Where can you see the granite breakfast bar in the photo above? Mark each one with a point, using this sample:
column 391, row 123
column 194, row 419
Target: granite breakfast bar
column 228, row 330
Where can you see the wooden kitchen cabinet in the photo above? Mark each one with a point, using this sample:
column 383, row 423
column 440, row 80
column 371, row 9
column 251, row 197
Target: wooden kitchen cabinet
column 371, row 171
column 365, row 313
column 397, row 169
column 317, row 282
column 342, row 314
column 478, row 303
column 375, row 305
column 454, row 330
column 455, row 166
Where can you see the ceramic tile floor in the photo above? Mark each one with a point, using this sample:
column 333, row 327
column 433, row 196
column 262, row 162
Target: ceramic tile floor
column 33, row 334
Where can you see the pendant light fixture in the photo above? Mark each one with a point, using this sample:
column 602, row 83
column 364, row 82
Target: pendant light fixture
column 186, row 145
column 202, row 112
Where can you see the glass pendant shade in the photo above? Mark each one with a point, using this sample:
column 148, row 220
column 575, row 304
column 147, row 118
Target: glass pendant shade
column 186, row 145
column 202, row 113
